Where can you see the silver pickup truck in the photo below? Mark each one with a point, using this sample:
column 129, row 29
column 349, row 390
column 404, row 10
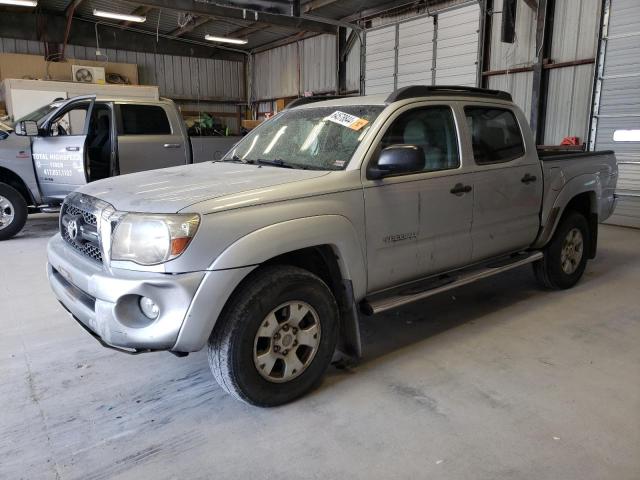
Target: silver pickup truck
column 330, row 210
column 73, row 142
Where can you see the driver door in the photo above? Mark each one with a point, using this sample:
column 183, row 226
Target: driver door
column 419, row 223
column 59, row 150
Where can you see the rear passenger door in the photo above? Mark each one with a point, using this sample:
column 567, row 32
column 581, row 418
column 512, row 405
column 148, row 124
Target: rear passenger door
column 507, row 181
column 419, row 223
column 146, row 138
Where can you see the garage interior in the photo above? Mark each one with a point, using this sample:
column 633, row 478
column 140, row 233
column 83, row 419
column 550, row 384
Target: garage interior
column 493, row 380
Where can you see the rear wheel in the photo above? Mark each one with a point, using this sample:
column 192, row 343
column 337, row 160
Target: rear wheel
column 276, row 337
column 565, row 257
column 13, row 211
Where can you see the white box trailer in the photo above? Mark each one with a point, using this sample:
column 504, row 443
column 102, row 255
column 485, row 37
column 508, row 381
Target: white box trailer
column 23, row 96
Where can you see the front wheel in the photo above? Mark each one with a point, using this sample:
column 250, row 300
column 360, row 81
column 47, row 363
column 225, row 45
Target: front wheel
column 276, row 337
column 565, row 257
column 13, row 211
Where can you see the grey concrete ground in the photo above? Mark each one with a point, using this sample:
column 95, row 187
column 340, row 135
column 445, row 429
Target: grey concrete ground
column 498, row 380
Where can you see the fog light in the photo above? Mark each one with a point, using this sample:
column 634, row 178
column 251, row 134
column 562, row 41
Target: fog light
column 149, row 308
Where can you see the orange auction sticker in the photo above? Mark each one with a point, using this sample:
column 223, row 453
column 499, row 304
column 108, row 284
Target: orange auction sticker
column 347, row 120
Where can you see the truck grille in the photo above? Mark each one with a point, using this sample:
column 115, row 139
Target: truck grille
column 79, row 226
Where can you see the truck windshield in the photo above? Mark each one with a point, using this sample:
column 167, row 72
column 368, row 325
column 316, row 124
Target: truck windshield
column 322, row 138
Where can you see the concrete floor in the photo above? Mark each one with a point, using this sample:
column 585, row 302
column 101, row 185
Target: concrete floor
column 498, row 380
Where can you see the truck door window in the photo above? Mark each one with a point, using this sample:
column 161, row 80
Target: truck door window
column 70, row 122
column 433, row 129
column 495, row 135
column 143, row 120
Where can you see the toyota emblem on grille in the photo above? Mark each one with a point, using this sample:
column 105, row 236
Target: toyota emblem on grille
column 72, row 229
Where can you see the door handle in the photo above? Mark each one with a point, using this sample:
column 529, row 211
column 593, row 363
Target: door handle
column 460, row 189
column 172, row 145
column 528, row 178
column 73, row 149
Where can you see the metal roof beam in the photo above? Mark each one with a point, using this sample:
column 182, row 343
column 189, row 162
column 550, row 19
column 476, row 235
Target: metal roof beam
column 217, row 10
column 197, row 22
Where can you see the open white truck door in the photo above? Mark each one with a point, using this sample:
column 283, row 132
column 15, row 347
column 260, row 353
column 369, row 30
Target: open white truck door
column 59, row 151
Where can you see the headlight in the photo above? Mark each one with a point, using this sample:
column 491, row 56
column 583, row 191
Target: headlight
column 152, row 239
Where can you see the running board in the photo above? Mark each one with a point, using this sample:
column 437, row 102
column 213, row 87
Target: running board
column 407, row 294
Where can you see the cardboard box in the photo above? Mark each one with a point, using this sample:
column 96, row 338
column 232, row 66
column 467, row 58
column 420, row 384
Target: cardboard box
column 35, row 67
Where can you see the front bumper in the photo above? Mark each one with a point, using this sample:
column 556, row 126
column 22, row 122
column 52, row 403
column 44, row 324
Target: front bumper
column 107, row 303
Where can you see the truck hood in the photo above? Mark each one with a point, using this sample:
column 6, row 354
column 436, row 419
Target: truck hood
column 170, row 190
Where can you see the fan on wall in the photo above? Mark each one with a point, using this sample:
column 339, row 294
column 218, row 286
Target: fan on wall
column 85, row 74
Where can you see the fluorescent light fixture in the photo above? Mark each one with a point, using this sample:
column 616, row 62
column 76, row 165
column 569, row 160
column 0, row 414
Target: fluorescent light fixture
column 20, row 3
column 236, row 41
column 119, row 16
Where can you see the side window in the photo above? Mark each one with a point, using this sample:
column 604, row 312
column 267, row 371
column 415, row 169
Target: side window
column 143, row 120
column 433, row 129
column 70, row 122
column 495, row 135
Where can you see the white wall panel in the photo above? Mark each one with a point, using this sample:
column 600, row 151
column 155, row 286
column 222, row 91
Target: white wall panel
column 353, row 67
column 457, row 46
column 520, row 85
column 380, row 60
column 575, row 37
column 275, row 72
column 319, row 65
column 415, row 52
column 290, row 70
column 619, row 107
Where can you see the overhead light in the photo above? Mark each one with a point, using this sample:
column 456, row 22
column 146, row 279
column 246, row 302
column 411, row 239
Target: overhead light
column 20, row 3
column 236, row 41
column 119, row 16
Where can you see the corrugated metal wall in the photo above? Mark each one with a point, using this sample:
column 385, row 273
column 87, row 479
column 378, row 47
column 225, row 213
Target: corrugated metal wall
column 439, row 48
column 290, row 70
column 521, row 53
column 619, row 105
column 574, row 37
column 176, row 76
column 457, row 46
column 353, row 67
column 380, row 48
column 415, row 55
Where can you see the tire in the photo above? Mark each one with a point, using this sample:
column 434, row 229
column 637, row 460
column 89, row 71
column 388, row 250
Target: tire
column 237, row 350
column 550, row 271
column 13, row 211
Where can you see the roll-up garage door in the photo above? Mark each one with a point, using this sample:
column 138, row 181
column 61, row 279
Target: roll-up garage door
column 415, row 52
column 442, row 46
column 457, row 46
column 618, row 112
column 380, row 60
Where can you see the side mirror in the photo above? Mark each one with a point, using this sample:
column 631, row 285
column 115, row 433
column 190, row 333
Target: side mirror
column 397, row 159
column 27, row 128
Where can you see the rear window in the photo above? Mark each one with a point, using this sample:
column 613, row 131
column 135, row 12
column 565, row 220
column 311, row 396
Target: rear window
column 495, row 135
column 143, row 120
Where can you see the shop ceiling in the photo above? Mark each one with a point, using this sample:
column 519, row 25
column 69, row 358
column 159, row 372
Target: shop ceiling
column 184, row 24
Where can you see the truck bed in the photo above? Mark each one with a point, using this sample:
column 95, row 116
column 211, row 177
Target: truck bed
column 562, row 167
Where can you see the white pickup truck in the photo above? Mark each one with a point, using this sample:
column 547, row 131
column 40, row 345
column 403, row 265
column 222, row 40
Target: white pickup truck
column 66, row 144
column 331, row 209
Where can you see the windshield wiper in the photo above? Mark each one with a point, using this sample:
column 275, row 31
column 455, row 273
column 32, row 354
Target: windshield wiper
column 284, row 164
column 275, row 163
column 271, row 162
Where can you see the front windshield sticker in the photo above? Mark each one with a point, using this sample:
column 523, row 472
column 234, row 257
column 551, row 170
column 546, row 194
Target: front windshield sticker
column 347, row 120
